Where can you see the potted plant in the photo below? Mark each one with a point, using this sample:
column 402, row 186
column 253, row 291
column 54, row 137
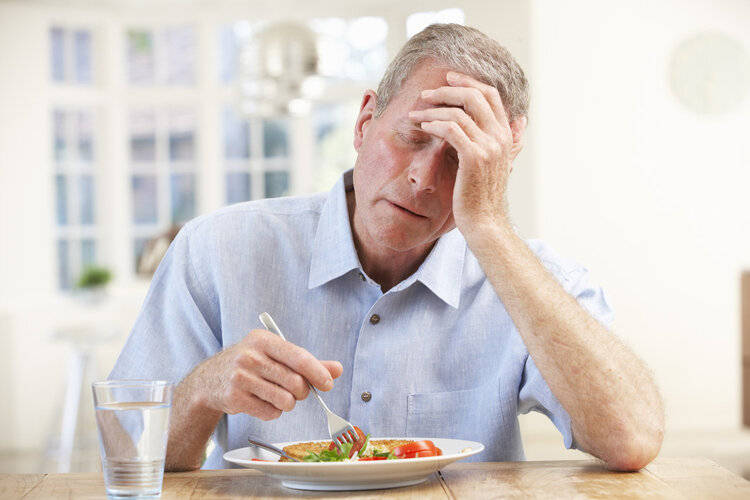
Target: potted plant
column 91, row 283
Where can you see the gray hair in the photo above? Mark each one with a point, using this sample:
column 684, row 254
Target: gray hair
column 466, row 50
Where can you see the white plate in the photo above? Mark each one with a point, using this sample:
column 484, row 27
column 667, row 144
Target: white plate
column 368, row 475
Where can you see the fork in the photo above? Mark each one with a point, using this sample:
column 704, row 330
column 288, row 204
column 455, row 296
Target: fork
column 271, row 448
column 339, row 429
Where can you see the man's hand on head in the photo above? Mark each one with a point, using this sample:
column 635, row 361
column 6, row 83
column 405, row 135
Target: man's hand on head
column 262, row 375
column 470, row 116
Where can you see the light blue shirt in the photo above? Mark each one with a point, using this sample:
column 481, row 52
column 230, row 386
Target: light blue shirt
column 444, row 359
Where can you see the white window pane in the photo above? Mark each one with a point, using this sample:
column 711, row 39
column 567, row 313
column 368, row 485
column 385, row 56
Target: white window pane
column 374, row 62
column 86, row 199
column 275, row 138
column 63, row 265
column 140, row 55
column 368, row 58
column 276, row 184
column 239, row 49
column 142, row 136
column 238, row 187
column 60, row 134
column 333, row 140
column 420, row 20
column 180, row 46
column 228, row 50
column 82, row 56
column 61, row 200
column 352, row 49
column 236, row 134
column 365, row 33
column 57, row 54
column 85, row 136
column 182, row 189
column 144, row 199
column 332, row 27
column 333, row 54
column 181, row 135
column 88, row 253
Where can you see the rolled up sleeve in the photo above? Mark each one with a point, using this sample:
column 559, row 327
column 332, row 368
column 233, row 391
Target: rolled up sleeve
column 534, row 393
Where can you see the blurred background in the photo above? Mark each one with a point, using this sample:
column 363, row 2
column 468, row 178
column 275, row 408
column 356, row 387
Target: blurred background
column 120, row 120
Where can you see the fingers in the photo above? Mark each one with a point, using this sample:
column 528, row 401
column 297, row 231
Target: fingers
column 457, row 115
column 293, row 356
column 283, row 376
column 453, row 134
column 242, row 401
column 334, row 368
column 279, row 397
column 470, row 99
column 490, row 93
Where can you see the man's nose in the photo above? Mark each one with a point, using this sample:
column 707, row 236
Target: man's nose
column 424, row 171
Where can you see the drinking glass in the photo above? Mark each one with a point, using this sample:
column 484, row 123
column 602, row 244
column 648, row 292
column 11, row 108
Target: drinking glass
column 133, row 421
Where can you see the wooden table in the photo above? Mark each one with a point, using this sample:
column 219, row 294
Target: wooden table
column 665, row 478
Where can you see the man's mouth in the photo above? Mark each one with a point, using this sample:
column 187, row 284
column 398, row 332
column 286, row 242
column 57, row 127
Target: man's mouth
column 407, row 211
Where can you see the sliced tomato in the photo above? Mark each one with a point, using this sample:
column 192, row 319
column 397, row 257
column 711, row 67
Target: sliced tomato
column 372, row 458
column 359, row 443
column 361, row 436
column 356, row 447
column 413, row 448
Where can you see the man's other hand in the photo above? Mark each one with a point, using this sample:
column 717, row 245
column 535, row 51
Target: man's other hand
column 262, row 375
column 471, row 117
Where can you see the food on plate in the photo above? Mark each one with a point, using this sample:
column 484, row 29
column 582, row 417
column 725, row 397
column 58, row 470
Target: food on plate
column 363, row 449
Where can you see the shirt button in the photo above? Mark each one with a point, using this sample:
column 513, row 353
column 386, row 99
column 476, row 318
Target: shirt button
column 366, row 396
column 362, row 276
column 374, row 319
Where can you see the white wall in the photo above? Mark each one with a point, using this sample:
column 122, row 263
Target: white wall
column 650, row 196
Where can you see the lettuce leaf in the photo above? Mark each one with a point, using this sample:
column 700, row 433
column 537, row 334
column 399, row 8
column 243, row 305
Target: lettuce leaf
column 330, row 455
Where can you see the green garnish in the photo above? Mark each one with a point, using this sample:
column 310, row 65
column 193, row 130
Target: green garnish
column 330, row 455
column 335, row 455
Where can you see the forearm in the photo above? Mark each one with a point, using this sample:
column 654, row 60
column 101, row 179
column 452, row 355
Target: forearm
column 615, row 408
column 191, row 424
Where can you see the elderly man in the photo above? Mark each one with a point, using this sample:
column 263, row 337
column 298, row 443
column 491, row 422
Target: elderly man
column 441, row 320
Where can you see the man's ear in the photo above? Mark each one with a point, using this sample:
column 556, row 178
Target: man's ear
column 518, row 127
column 366, row 114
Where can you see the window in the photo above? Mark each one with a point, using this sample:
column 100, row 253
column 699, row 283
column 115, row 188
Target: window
column 70, row 56
column 333, row 125
column 161, row 57
column 256, row 156
column 420, row 20
column 352, row 49
column 248, row 157
column 232, row 38
column 352, row 53
column 75, row 193
column 348, row 49
column 162, row 144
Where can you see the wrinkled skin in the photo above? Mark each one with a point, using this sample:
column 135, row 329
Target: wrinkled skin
column 438, row 157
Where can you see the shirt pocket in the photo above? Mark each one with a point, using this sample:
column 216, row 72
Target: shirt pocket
column 471, row 414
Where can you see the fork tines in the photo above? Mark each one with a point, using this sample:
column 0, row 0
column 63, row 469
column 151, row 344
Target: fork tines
column 348, row 435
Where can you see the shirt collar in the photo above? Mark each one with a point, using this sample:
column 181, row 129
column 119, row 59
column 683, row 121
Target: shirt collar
column 442, row 270
column 333, row 252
